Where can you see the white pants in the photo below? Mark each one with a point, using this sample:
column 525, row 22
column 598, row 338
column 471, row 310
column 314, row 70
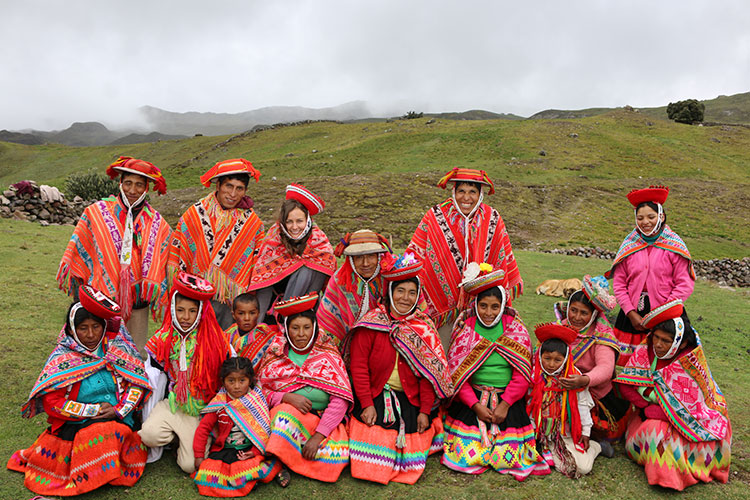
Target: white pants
column 584, row 461
column 161, row 427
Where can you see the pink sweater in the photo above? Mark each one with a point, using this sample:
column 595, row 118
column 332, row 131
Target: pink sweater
column 664, row 275
column 331, row 417
column 598, row 363
column 514, row 391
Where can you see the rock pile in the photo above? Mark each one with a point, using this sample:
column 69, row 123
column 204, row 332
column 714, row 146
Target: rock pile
column 30, row 206
column 729, row 272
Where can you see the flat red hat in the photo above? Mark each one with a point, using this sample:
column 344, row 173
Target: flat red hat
column 481, row 277
column 296, row 304
column 671, row 310
column 547, row 331
column 127, row 164
column 97, row 303
column 229, row 167
column 312, row 202
column 458, row 174
column 193, row 287
column 656, row 194
column 400, row 267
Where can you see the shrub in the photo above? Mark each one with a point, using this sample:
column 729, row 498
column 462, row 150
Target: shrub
column 687, row 111
column 411, row 115
column 90, row 186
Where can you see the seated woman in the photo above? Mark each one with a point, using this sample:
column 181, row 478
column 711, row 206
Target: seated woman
column 683, row 434
column 399, row 374
column 295, row 257
column 308, row 391
column 490, row 364
column 595, row 351
column 90, row 387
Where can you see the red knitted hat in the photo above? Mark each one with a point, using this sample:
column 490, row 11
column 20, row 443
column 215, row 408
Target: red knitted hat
column 193, row 287
column 312, row 202
column 97, row 303
column 296, row 305
column 671, row 310
column 548, row 331
column 458, row 174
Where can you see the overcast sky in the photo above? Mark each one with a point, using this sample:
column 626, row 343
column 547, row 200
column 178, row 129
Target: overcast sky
column 66, row 61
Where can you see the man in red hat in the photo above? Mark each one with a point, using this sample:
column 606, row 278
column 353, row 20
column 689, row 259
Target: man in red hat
column 218, row 237
column 120, row 247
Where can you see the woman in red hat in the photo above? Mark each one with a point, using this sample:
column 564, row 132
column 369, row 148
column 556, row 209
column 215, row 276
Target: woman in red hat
column 486, row 426
column 120, row 246
column 308, row 391
column 652, row 266
column 295, row 257
column 399, row 374
column 455, row 233
column 90, row 387
column 682, row 434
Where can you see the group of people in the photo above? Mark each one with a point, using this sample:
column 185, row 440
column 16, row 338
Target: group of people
column 272, row 357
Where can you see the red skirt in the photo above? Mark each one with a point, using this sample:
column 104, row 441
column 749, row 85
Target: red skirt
column 99, row 454
column 216, row 478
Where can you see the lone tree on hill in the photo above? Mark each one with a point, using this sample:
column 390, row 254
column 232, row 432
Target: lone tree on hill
column 687, row 111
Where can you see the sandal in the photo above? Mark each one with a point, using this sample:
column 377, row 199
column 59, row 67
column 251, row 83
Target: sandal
column 283, row 478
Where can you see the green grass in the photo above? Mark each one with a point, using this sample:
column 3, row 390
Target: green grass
column 33, row 310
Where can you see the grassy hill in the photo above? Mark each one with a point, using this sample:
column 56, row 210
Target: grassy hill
column 559, row 182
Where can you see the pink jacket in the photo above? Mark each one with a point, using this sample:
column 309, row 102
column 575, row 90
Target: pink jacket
column 664, row 275
column 598, row 362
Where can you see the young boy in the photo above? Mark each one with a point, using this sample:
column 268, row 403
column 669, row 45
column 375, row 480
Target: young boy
column 246, row 338
column 562, row 417
column 189, row 348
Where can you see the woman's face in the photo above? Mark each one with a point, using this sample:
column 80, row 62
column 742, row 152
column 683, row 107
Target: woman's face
column 488, row 308
column 186, row 311
column 89, row 333
column 467, row 197
column 662, row 342
column 579, row 315
column 300, row 331
column 552, row 361
column 647, row 218
column 404, row 297
column 133, row 185
column 365, row 265
column 295, row 222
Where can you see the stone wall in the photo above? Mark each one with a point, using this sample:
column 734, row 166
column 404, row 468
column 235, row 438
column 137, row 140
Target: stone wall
column 31, row 207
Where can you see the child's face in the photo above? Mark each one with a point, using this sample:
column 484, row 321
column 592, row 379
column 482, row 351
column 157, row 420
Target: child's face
column 488, row 308
column 551, row 361
column 246, row 315
column 186, row 311
column 237, row 384
column 300, row 331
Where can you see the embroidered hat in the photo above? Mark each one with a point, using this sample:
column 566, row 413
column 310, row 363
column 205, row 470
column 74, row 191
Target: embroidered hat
column 671, row 310
column 193, row 287
column 296, row 305
column 362, row 242
column 312, row 202
column 127, row 164
column 97, row 303
column 229, row 167
column 480, row 277
column 547, row 331
column 400, row 267
column 655, row 194
column 596, row 289
column 458, row 174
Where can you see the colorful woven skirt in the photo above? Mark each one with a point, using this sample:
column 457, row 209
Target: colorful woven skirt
column 374, row 455
column 672, row 461
column 290, row 430
column 511, row 451
column 100, row 453
column 222, row 475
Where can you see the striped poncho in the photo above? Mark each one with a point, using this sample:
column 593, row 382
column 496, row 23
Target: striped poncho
column 92, row 256
column 440, row 241
column 218, row 245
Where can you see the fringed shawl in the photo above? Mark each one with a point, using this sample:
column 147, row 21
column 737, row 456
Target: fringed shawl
column 323, row 369
column 668, row 240
column 417, row 342
column 70, row 363
column 274, row 262
column 686, row 390
column 218, row 245
column 249, row 413
column 439, row 241
column 598, row 333
column 469, row 350
column 93, row 253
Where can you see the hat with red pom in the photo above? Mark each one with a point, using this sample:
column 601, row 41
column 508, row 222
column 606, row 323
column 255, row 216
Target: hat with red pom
column 129, row 165
column 312, row 202
column 97, row 303
column 230, row 167
column 655, row 194
column 458, row 174
column 547, row 331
